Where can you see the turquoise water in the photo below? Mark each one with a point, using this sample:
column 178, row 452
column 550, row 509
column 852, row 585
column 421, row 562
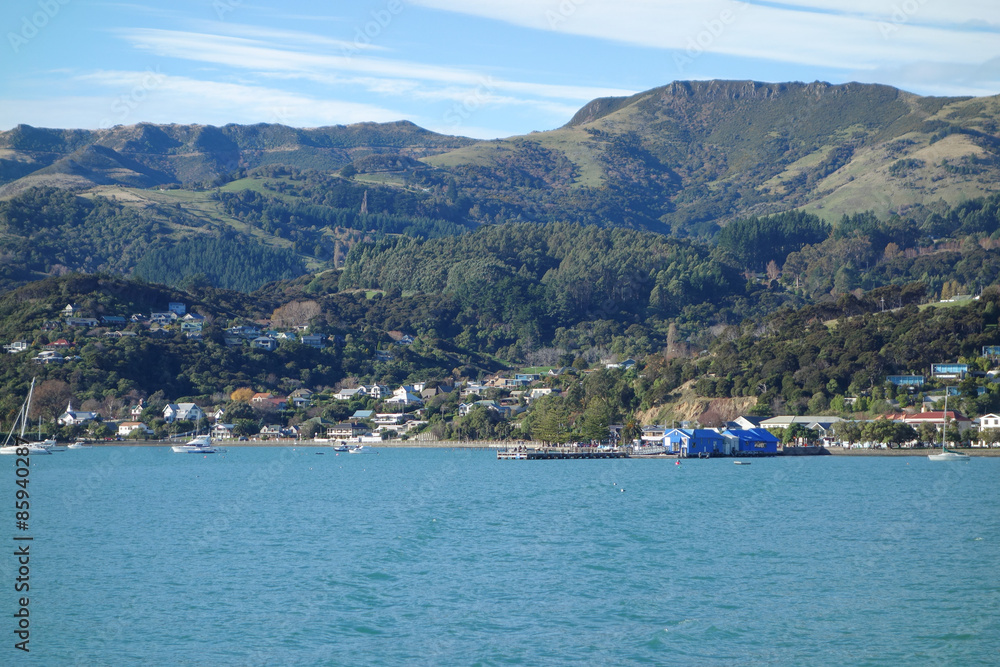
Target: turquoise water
column 439, row 557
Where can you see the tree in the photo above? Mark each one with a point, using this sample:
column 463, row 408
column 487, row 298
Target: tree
column 549, row 420
column 795, row 431
column 238, row 410
column 245, row 427
column 596, row 422
column 243, row 394
column 847, row 431
column 50, row 398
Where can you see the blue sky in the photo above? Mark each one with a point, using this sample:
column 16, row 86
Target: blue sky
column 481, row 69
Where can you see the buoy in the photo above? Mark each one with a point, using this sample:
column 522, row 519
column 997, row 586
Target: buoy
column 677, row 463
column 623, row 490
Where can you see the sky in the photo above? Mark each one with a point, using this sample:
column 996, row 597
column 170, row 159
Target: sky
column 483, row 69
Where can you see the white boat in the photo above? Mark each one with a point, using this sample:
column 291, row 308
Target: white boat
column 946, row 455
column 16, row 443
column 50, row 445
column 340, row 448
column 356, row 450
column 79, row 444
column 200, row 444
column 32, row 448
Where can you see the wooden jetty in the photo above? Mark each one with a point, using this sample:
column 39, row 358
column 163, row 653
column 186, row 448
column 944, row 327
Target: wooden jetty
column 560, row 453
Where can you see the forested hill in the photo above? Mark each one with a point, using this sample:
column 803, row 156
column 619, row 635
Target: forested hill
column 684, row 158
column 689, row 156
column 147, row 155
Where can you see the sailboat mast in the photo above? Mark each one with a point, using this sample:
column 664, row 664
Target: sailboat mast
column 27, row 408
column 944, row 421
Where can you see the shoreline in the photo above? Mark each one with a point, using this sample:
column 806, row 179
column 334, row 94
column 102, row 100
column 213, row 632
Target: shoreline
column 493, row 445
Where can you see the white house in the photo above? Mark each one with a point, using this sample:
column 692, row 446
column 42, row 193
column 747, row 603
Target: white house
column 264, row 343
column 989, row 421
column 126, row 428
column 48, row 357
column 403, row 396
column 73, row 417
column 223, row 430
column 182, row 411
column 348, row 394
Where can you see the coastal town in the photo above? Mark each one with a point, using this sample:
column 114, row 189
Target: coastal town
column 497, row 409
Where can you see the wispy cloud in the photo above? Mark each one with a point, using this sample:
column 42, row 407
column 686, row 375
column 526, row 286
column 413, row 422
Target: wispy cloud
column 255, row 55
column 169, row 98
column 848, row 35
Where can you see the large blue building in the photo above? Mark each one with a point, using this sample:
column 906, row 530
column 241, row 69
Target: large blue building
column 751, row 442
column 695, row 442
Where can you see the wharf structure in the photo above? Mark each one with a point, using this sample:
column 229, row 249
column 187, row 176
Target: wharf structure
column 526, row 453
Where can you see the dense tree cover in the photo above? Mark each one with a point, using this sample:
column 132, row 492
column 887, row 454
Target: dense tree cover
column 754, row 242
column 228, row 262
column 47, row 230
column 304, row 221
column 805, row 361
column 534, row 279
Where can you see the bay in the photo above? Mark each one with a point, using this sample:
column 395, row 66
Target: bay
column 266, row 556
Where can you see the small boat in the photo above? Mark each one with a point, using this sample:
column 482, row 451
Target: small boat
column 356, row 450
column 742, row 463
column 79, row 444
column 32, row 448
column 16, row 443
column 946, row 455
column 342, row 447
column 50, row 444
column 200, row 444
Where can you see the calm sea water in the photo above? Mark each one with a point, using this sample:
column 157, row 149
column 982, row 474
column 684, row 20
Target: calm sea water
column 439, row 557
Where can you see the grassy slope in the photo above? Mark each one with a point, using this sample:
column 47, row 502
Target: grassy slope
column 863, row 183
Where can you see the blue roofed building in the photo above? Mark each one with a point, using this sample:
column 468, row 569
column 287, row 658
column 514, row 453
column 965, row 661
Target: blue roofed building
column 695, row 442
column 751, row 442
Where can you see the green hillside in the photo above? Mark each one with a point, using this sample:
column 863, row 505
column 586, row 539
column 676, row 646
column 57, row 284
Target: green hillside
column 692, row 155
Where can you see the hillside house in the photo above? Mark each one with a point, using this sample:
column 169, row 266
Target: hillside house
column 301, row 398
column 317, row 341
column 265, row 343
column 351, row 394
column 82, row 322
column 48, row 357
column 950, row 371
column 182, row 411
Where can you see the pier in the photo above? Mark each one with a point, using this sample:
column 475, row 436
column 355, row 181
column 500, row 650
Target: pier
column 560, row 453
